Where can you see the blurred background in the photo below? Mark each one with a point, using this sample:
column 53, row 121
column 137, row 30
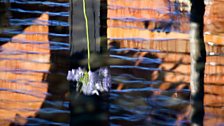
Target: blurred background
column 150, row 83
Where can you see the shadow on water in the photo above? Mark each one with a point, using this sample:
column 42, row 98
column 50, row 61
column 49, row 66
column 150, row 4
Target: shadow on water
column 22, row 15
column 136, row 97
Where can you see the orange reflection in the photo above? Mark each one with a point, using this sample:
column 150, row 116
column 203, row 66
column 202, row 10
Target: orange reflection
column 175, row 47
column 22, row 73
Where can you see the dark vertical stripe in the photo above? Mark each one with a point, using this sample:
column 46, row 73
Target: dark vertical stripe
column 78, row 29
column 86, row 110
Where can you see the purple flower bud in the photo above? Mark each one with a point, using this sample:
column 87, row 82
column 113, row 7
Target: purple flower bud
column 78, row 74
column 75, row 74
column 106, row 83
column 69, row 76
column 104, row 72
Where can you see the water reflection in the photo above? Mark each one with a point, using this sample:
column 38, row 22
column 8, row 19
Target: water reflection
column 140, row 101
column 127, row 27
column 150, row 85
column 32, row 76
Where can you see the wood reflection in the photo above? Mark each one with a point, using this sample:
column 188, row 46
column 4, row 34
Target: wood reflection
column 24, row 62
column 173, row 47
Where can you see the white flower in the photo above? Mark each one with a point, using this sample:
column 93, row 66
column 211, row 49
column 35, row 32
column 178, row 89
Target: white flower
column 78, row 74
column 91, row 83
column 89, row 87
column 75, row 74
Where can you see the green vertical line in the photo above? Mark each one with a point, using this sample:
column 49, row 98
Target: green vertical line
column 87, row 33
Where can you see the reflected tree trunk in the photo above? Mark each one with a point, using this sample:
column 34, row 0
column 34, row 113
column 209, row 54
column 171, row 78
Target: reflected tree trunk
column 4, row 13
column 87, row 110
column 78, row 39
column 4, row 19
column 198, row 59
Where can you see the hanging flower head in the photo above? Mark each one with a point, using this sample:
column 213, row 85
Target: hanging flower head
column 90, row 83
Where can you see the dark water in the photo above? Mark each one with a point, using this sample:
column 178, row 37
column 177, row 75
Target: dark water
column 136, row 97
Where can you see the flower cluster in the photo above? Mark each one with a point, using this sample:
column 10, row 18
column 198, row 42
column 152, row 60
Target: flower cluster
column 89, row 82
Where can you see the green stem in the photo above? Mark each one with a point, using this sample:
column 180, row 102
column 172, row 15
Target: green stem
column 87, row 33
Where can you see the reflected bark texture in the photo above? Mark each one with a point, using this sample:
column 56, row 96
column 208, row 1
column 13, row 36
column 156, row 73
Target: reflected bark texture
column 198, row 59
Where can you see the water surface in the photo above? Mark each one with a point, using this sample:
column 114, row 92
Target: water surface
column 150, row 85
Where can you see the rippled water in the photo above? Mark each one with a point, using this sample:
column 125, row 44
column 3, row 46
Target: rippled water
column 150, row 85
column 34, row 89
